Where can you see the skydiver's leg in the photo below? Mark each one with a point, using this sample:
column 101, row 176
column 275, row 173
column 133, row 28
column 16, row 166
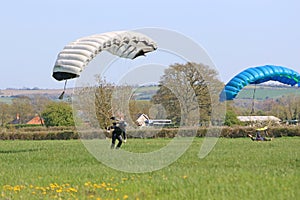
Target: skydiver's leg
column 113, row 140
column 119, row 138
column 267, row 139
column 252, row 138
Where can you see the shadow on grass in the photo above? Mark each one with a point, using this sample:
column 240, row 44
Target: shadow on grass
column 18, row 151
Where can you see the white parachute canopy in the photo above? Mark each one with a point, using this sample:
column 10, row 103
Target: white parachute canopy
column 76, row 55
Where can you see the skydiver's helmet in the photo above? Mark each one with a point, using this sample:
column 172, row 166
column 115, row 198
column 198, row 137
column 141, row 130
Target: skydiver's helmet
column 116, row 121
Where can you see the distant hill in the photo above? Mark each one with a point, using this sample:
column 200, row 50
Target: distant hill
column 267, row 91
column 7, row 95
column 261, row 92
column 20, row 92
column 146, row 92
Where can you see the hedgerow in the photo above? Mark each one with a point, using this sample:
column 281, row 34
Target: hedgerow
column 67, row 133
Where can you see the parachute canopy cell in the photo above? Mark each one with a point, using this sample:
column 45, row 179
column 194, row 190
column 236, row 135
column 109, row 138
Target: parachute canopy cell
column 257, row 75
column 76, row 55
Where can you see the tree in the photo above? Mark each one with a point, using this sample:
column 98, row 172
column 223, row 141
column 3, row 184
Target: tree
column 186, row 94
column 103, row 102
column 231, row 117
column 58, row 114
column 4, row 113
column 287, row 107
column 100, row 102
column 123, row 103
column 22, row 108
column 39, row 103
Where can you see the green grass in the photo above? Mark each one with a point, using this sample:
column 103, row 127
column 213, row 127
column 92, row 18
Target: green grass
column 235, row 169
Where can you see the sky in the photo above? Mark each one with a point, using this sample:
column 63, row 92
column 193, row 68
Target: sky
column 235, row 34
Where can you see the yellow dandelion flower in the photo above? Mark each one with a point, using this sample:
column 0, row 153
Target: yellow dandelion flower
column 17, row 188
column 53, row 186
column 59, row 190
column 73, row 190
column 116, row 190
column 184, row 177
column 125, row 196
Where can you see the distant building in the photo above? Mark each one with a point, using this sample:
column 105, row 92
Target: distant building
column 16, row 120
column 259, row 119
column 159, row 122
column 141, row 120
column 37, row 120
column 144, row 120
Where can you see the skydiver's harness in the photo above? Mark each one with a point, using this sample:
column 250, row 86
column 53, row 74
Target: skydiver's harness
column 258, row 135
column 63, row 92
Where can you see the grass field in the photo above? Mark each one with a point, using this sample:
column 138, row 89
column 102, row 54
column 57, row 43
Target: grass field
column 263, row 92
column 235, row 169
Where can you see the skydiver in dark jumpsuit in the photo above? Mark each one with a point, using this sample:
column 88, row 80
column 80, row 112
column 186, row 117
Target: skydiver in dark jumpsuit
column 117, row 135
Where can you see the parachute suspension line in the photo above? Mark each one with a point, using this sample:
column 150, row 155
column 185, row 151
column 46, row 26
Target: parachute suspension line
column 62, row 94
column 253, row 100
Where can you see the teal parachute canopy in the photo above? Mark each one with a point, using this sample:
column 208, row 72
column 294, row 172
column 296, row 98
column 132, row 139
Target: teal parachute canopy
column 257, row 75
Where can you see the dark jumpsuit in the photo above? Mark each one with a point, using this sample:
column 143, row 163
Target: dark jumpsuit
column 117, row 135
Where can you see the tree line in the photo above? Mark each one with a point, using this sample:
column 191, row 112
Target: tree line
column 188, row 94
column 24, row 108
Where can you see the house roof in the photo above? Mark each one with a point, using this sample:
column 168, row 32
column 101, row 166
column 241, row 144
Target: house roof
column 36, row 120
column 15, row 121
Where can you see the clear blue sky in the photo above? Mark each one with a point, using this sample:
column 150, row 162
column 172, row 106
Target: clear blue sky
column 236, row 34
